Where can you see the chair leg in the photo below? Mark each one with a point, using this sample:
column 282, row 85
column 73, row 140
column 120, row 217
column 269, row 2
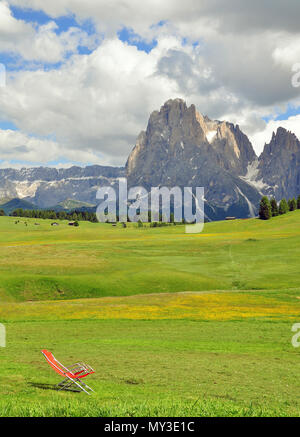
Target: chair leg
column 62, row 382
column 68, row 382
column 81, row 382
column 78, row 383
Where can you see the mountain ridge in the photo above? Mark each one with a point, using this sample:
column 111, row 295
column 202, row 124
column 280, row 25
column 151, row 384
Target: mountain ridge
column 45, row 187
column 180, row 147
column 194, row 150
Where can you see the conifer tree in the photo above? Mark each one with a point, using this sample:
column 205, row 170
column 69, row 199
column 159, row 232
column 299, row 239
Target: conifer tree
column 283, row 207
column 292, row 204
column 274, row 208
column 265, row 210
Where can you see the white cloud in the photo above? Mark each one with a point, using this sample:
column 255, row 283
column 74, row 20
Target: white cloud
column 38, row 43
column 95, row 105
column 9, row 25
column 17, row 146
column 287, row 51
column 189, row 16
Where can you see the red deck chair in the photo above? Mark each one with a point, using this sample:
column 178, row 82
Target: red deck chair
column 72, row 375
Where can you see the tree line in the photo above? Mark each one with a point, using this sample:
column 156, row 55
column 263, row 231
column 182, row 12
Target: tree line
column 55, row 215
column 270, row 208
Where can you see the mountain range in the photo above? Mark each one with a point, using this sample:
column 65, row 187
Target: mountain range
column 57, row 188
column 180, row 147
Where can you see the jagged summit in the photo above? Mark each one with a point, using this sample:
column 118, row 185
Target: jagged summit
column 282, row 140
column 180, row 147
column 177, row 127
column 279, row 165
column 183, row 147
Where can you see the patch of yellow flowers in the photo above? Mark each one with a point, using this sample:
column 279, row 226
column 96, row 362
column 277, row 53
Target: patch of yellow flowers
column 189, row 305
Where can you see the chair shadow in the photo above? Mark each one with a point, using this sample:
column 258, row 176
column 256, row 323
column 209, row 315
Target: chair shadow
column 53, row 387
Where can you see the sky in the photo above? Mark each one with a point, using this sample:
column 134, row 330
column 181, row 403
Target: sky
column 82, row 77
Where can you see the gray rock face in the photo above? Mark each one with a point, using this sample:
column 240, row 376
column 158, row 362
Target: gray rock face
column 279, row 165
column 46, row 187
column 181, row 147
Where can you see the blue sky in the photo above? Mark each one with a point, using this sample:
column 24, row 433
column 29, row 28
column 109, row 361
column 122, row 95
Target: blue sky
column 279, row 116
column 39, row 17
column 132, row 38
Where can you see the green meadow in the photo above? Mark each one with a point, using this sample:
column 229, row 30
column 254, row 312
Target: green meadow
column 174, row 324
column 95, row 260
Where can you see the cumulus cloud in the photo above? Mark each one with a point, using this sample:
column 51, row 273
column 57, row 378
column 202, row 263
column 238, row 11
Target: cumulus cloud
column 232, row 59
column 38, row 43
column 17, row 146
column 97, row 102
column 231, row 16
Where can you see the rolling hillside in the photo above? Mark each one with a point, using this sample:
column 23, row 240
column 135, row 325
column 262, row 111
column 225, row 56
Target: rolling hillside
column 96, row 260
column 9, row 205
column 71, row 204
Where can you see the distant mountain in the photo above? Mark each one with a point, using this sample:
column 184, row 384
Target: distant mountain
column 278, row 169
column 10, row 205
column 180, row 147
column 45, row 187
column 72, row 204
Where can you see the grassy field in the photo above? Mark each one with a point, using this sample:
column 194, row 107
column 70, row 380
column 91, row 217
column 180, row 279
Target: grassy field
column 95, row 260
column 173, row 323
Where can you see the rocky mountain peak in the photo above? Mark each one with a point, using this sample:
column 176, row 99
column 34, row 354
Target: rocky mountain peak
column 279, row 165
column 180, row 132
column 172, row 120
column 172, row 131
column 282, row 141
column 180, row 147
column 185, row 148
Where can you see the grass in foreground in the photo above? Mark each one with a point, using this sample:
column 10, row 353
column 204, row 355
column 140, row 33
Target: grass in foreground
column 224, row 350
column 157, row 367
